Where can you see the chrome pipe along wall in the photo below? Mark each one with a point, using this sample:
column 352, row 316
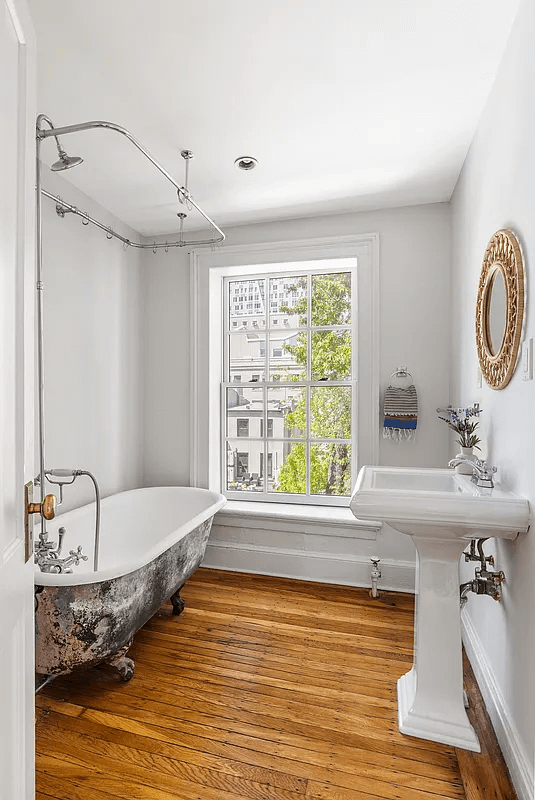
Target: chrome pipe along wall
column 183, row 193
column 66, row 162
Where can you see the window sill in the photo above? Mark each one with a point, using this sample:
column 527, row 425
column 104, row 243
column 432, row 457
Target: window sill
column 312, row 520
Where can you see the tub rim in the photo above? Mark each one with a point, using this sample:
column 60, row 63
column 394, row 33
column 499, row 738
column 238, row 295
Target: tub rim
column 82, row 578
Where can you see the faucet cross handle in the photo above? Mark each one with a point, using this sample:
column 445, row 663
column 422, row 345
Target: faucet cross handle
column 487, row 469
column 483, row 473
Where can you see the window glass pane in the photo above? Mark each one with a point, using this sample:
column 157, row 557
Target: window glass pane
column 331, row 299
column 287, row 411
column 288, row 467
column 243, row 463
column 247, row 356
column 288, row 355
column 246, row 303
column 288, row 301
column 242, row 427
column 330, row 469
column 331, row 355
column 244, row 412
column 269, row 428
column 330, row 412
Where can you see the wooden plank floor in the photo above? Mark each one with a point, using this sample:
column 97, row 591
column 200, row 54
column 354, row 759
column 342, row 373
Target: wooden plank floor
column 264, row 688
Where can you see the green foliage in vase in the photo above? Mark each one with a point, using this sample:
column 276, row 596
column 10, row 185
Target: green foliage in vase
column 463, row 424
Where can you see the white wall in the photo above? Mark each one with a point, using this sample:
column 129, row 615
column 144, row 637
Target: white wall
column 93, row 405
column 496, row 190
column 414, row 330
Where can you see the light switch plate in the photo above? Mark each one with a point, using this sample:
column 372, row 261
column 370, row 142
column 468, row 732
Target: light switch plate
column 527, row 360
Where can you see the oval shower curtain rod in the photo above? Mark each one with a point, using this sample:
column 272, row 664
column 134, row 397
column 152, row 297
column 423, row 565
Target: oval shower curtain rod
column 183, row 193
column 63, row 208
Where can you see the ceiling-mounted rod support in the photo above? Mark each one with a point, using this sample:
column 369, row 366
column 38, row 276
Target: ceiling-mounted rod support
column 44, row 133
column 63, row 208
column 187, row 155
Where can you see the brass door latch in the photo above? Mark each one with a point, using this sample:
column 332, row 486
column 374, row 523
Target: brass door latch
column 47, row 508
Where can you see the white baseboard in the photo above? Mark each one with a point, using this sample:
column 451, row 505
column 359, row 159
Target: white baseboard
column 506, row 732
column 341, row 568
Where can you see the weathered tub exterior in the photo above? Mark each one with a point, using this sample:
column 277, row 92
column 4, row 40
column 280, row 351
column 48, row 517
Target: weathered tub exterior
column 88, row 618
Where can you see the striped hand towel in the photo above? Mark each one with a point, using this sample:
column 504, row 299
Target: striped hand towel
column 401, row 413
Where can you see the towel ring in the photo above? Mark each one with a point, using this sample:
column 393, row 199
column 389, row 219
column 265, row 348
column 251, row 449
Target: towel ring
column 401, row 372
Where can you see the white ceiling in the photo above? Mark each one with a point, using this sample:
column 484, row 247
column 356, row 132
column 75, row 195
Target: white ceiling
column 346, row 104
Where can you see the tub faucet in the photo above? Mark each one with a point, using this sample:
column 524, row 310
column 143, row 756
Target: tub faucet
column 481, row 471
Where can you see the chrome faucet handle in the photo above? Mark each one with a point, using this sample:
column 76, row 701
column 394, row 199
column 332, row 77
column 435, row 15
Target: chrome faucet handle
column 487, row 469
column 483, row 473
column 483, row 469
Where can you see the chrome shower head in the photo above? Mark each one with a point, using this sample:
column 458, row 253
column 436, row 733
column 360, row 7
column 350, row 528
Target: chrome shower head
column 65, row 161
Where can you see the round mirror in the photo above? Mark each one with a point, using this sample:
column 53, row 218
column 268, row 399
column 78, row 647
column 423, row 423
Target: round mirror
column 497, row 312
column 500, row 309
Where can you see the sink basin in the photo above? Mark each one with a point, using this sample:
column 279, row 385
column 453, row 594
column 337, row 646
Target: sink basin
column 440, row 510
column 437, row 502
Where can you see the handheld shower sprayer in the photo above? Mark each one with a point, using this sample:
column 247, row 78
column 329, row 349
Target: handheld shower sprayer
column 46, row 552
column 62, row 473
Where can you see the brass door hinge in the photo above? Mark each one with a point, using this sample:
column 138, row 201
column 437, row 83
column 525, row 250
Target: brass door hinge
column 28, row 521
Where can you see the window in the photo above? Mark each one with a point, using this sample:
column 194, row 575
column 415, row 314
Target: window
column 287, row 384
column 277, row 352
column 242, row 427
column 269, row 427
column 242, row 464
column 269, row 463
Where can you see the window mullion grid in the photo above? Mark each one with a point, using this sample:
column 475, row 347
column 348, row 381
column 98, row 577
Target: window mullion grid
column 307, row 385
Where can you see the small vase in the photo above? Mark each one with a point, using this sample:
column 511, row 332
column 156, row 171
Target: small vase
column 465, row 469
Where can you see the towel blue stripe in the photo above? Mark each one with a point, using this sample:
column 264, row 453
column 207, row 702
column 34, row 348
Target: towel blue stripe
column 399, row 423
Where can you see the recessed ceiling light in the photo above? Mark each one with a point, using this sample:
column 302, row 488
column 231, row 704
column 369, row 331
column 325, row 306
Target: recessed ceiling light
column 246, row 162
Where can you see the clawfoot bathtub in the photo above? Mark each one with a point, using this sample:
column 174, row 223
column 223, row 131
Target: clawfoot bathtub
column 151, row 541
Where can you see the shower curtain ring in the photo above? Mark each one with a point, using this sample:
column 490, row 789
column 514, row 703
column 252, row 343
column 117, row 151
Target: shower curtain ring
column 166, row 247
column 126, row 245
column 109, row 235
column 85, row 221
column 154, row 248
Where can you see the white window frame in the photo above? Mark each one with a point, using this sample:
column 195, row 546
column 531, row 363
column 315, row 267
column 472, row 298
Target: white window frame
column 208, row 268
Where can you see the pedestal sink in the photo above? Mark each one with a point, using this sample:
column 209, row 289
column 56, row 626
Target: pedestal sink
column 440, row 510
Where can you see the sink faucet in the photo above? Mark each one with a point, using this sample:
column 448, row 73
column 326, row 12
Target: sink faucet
column 481, row 471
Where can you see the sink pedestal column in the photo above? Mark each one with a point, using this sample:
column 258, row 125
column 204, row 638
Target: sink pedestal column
column 430, row 696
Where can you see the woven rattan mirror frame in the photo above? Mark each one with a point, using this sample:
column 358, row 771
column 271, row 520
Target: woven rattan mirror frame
column 503, row 253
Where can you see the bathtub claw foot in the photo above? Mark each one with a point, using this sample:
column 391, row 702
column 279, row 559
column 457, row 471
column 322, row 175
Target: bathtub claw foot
column 126, row 669
column 124, row 666
column 178, row 602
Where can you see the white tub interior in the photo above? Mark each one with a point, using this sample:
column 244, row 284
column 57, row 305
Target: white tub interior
column 136, row 527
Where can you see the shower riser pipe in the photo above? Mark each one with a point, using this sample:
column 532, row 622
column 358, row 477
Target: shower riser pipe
column 40, row 330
